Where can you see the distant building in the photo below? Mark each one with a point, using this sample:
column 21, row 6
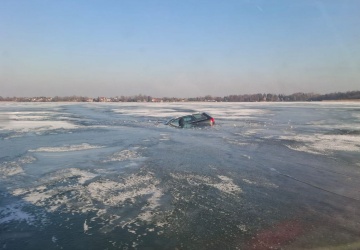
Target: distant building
column 103, row 99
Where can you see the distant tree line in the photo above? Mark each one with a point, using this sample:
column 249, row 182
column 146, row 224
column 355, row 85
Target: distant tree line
column 296, row 97
column 350, row 95
column 137, row 98
column 258, row 98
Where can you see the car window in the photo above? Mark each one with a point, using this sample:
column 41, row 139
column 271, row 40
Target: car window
column 199, row 116
column 175, row 122
column 188, row 118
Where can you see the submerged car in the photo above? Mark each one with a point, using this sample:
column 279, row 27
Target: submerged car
column 194, row 120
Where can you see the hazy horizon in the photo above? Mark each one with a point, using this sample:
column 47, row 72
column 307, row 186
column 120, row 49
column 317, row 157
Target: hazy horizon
column 178, row 48
column 180, row 97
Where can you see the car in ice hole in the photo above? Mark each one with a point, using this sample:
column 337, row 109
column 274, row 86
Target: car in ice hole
column 194, row 120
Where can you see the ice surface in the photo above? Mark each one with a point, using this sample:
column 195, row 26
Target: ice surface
column 112, row 175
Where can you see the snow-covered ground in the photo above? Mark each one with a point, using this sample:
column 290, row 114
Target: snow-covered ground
column 113, row 176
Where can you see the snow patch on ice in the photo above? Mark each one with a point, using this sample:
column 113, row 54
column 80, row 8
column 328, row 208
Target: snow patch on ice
column 147, row 213
column 58, row 192
column 10, row 168
column 324, row 144
column 192, row 179
column 246, row 156
column 29, row 126
column 150, row 111
column 170, row 110
column 37, row 122
column 356, row 115
column 236, row 113
column 164, row 137
column 67, row 191
column 86, row 227
column 225, row 184
column 122, row 156
column 130, row 188
column 66, row 148
column 81, row 175
column 248, row 181
column 54, row 239
column 236, row 142
column 324, row 124
column 242, row 227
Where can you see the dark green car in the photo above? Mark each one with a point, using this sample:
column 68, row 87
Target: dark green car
column 194, row 120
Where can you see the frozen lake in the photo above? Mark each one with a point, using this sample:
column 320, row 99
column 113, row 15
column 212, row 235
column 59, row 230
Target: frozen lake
column 112, row 176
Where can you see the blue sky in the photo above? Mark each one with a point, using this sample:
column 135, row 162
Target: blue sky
column 178, row 47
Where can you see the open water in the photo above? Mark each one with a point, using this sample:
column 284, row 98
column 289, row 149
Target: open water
column 113, row 176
